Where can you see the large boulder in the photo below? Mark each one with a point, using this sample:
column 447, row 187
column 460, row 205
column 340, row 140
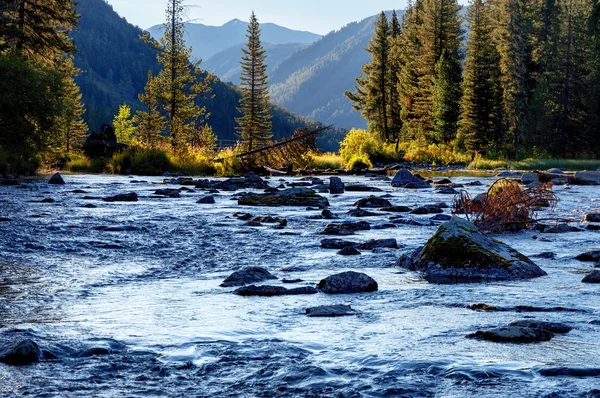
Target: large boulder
column 459, row 253
column 512, row 334
column 592, row 217
column 348, row 282
column 246, row 276
column 336, row 186
column 594, row 277
column 23, row 353
column 56, row 179
column 552, row 327
column 405, row 179
column 287, row 197
column 593, row 256
column 588, row 177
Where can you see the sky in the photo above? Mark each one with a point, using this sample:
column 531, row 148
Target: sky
column 317, row 16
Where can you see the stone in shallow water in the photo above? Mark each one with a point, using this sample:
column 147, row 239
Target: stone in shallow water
column 348, row 282
column 247, row 276
column 405, row 179
column 336, row 186
column 589, row 256
column 271, row 291
column 207, row 200
column 592, row 217
column 347, row 228
column 22, row 353
column 594, row 277
column 126, row 197
column 288, row 197
column 373, row 202
column 349, row 251
column 458, row 253
column 552, row 327
column 512, row 334
column 330, row 311
column 362, row 213
column 56, row 179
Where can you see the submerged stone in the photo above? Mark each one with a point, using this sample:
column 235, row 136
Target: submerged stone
column 552, row 327
column 270, row 291
column 288, row 197
column 512, row 334
column 22, row 353
column 330, row 311
column 247, row 276
column 459, row 253
column 348, row 282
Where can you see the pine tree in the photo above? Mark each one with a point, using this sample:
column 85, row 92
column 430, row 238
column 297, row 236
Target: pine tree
column 255, row 123
column 592, row 132
column 395, row 67
column 73, row 128
column 446, row 97
column 372, row 96
column 480, row 105
column 148, row 121
column 178, row 83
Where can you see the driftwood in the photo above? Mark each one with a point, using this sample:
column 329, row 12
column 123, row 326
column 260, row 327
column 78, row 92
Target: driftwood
column 506, row 207
column 283, row 154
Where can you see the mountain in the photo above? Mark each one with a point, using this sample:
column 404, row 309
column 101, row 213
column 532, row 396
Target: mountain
column 207, row 41
column 114, row 65
column 226, row 64
column 313, row 80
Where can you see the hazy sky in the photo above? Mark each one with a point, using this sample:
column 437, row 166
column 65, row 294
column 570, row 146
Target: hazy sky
column 318, row 16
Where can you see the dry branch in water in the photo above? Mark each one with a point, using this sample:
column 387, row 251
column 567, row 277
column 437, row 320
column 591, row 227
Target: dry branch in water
column 506, row 207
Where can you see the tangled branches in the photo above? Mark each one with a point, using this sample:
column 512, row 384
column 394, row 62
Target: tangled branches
column 506, row 207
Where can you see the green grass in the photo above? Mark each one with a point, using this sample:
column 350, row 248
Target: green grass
column 326, row 161
column 82, row 164
column 535, row 164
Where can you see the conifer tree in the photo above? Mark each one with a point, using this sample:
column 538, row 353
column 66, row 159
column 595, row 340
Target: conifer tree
column 73, row 128
column 479, row 104
column 592, row 132
column 254, row 126
column 178, row 83
column 148, row 121
column 446, row 95
column 372, row 95
column 395, row 67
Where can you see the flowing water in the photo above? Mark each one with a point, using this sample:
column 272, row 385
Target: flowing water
column 147, row 296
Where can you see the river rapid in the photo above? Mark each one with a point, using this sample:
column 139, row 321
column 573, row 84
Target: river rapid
column 127, row 297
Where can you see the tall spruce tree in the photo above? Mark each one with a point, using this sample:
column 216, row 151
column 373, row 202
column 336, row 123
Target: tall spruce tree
column 372, row 97
column 255, row 126
column 446, row 95
column 479, row 105
column 395, row 67
column 148, row 121
column 70, row 123
column 178, row 84
column 592, row 132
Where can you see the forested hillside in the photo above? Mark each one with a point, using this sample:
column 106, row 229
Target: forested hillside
column 114, row 65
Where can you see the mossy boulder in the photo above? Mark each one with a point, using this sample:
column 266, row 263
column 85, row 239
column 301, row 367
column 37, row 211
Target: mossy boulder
column 460, row 253
column 288, row 197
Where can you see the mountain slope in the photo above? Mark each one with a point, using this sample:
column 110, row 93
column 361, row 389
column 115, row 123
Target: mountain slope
column 115, row 63
column 313, row 80
column 207, row 41
column 226, row 64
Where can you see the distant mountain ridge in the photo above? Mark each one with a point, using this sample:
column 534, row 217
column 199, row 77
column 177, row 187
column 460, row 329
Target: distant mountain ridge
column 207, row 41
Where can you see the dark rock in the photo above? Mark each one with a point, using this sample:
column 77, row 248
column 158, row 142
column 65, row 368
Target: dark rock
column 330, row 311
column 126, row 197
column 20, row 354
column 405, row 179
column 447, row 191
column 258, row 221
column 336, row 186
column 385, row 226
column 594, row 277
column 396, row 209
column 247, row 276
column 427, row 209
column 443, row 181
column 249, row 181
column 552, row 327
column 270, row 291
column 592, row 217
column 243, row 216
column 593, row 227
column 292, row 280
column 336, row 244
column 349, row 251
column 328, row 215
column 5, row 219
column 588, row 177
column 441, row 217
column 459, row 253
column 379, row 243
column 573, row 372
column 361, row 188
column 348, row 282
column 561, row 229
column 288, row 197
column 362, row 213
column 408, row 221
column 46, row 200
column 474, row 184
column 56, row 179
column 529, row 178
column 545, row 255
column 512, row 334
column 207, row 200
column 373, row 202
column 10, row 182
column 589, row 256
column 96, row 352
column 347, row 228
column 171, row 193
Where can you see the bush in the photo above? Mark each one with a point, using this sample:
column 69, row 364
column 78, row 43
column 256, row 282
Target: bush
column 11, row 163
column 359, row 143
column 226, row 164
column 417, row 152
column 326, row 161
column 359, row 162
column 151, row 162
column 82, row 164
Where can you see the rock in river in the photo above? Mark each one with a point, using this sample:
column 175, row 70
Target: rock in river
column 207, row 200
column 552, row 327
column 288, row 197
column 512, row 334
column 330, row 311
column 590, row 256
column 125, row 197
column 459, row 253
column 348, row 282
column 592, row 217
column 373, row 202
column 594, row 277
column 247, row 276
column 347, row 228
column 336, row 186
column 56, row 179
column 270, row 291
column 405, row 179
column 349, row 251
column 22, row 353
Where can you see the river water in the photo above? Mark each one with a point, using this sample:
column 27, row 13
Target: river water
column 148, row 297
